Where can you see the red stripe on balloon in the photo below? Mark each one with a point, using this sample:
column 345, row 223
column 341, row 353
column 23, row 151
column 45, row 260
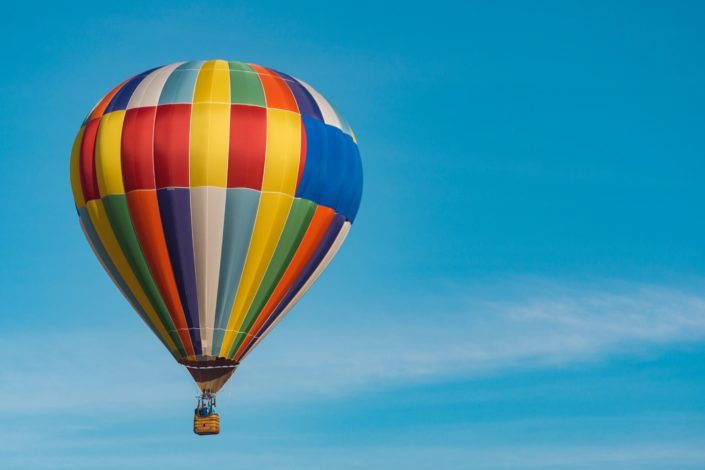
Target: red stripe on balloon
column 248, row 138
column 144, row 213
column 172, row 126
column 89, row 181
column 137, row 145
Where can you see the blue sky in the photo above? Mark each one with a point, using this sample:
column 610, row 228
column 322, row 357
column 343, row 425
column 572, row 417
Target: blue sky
column 523, row 287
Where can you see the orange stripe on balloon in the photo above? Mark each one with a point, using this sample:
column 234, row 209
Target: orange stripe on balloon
column 103, row 104
column 144, row 212
column 276, row 92
column 322, row 218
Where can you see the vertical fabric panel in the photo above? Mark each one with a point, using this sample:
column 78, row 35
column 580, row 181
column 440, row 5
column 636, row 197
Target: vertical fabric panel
column 315, row 232
column 112, row 221
column 107, row 154
column 345, row 127
column 240, row 213
column 296, row 225
column 122, row 97
column 139, row 174
column 271, row 217
column 171, row 168
column 145, row 217
column 171, row 145
column 245, row 349
column 75, row 170
column 175, row 210
column 210, row 130
column 281, row 165
column 137, row 144
column 248, row 137
column 150, row 88
column 304, row 101
column 283, row 146
column 213, row 84
column 276, row 92
column 89, row 183
column 117, row 212
column 332, row 175
column 95, row 218
column 100, row 253
column 312, row 183
column 99, row 109
column 245, row 85
column 207, row 216
column 329, row 115
column 333, row 152
column 321, row 249
column 179, row 87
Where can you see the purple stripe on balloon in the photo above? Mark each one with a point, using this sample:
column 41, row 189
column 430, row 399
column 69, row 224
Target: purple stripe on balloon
column 175, row 209
column 122, row 97
column 313, row 262
column 307, row 105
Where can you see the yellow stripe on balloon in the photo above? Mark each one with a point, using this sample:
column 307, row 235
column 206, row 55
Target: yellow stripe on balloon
column 108, row 164
column 210, row 126
column 210, row 129
column 281, row 165
column 272, row 213
column 101, row 223
column 209, row 148
column 213, row 83
column 332, row 251
column 75, row 170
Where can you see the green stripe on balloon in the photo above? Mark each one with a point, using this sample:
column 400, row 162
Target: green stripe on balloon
column 245, row 86
column 296, row 225
column 119, row 217
column 104, row 257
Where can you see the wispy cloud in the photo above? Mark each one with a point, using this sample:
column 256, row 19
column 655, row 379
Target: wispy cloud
column 458, row 335
column 544, row 324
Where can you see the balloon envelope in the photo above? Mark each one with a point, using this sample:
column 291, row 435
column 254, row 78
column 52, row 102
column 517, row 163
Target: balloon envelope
column 214, row 193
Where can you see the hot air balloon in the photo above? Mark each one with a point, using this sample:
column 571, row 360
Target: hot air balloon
column 214, row 193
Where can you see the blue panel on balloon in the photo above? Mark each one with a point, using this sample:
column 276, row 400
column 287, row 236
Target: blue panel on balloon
column 332, row 174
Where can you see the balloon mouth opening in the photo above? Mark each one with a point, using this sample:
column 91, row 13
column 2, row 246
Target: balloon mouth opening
column 210, row 374
column 208, row 362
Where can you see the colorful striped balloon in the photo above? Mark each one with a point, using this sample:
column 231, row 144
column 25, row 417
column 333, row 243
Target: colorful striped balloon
column 214, row 193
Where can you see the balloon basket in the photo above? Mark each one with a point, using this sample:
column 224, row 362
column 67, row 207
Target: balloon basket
column 206, row 425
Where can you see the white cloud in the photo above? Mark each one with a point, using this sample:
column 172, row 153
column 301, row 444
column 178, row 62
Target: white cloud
column 459, row 334
column 544, row 323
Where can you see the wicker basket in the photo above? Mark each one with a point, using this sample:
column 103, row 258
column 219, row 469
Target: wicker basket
column 204, row 425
